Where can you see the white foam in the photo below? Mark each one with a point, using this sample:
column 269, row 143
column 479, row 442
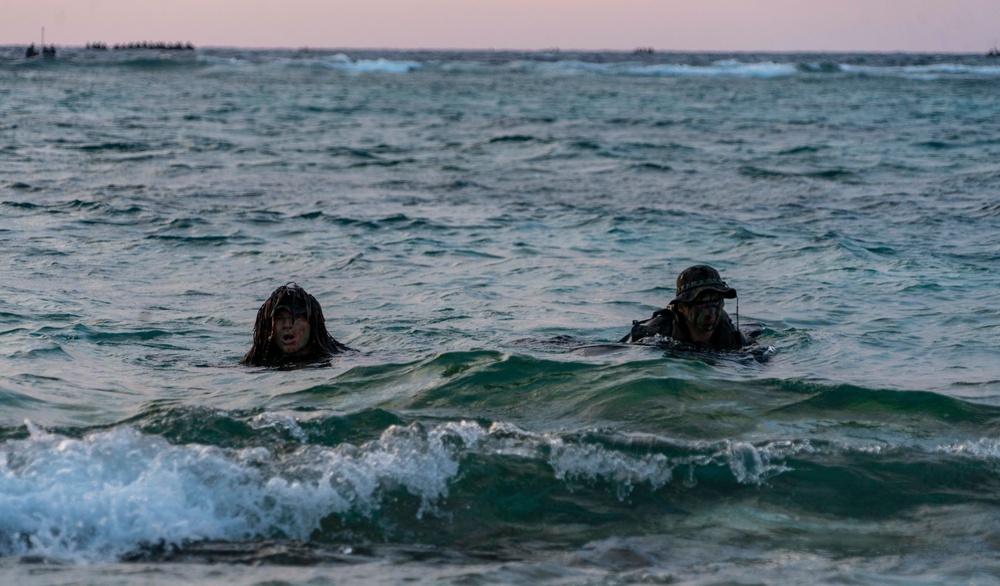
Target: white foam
column 953, row 68
column 983, row 449
column 725, row 68
column 594, row 462
column 924, row 72
column 223, row 61
column 99, row 497
column 745, row 461
column 284, row 422
column 342, row 62
column 110, row 493
column 573, row 66
column 102, row 496
column 764, row 69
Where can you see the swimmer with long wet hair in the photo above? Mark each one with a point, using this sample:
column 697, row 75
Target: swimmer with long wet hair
column 290, row 329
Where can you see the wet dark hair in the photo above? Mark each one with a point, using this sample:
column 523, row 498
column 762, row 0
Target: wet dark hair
column 264, row 352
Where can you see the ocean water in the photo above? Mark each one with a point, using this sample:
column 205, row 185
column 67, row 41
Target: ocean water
column 479, row 226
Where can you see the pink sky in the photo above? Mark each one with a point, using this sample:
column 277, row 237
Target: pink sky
column 698, row 25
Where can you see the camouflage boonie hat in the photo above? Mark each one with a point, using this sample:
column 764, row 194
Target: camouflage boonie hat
column 698, row 278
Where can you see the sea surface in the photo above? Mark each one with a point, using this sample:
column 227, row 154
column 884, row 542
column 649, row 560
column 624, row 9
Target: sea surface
column 482, row 227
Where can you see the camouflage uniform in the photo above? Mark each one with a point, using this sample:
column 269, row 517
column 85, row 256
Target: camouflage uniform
column 670, row 323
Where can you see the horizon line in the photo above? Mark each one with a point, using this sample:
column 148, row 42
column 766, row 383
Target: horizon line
column 529, row 50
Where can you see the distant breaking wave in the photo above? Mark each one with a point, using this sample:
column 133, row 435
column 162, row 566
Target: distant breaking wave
column 694, row 65
column 720, row 68
column 936, row 69
column 342, row 62
column 471, row 63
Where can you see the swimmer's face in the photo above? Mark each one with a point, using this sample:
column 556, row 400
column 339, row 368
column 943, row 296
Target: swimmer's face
column 290, row 333
column 703, row 313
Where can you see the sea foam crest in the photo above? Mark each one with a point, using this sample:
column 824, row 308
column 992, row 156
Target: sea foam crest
column 111, row 493
column 932, row 71
column 724, row 68
column 103, row 496
column 592, row 462
column 342, row 62
column 573, row 66
column 751, row 465
column 280, row 422
column 223, row 61
column 98, row 497
column 749, row 69
column 952, row 69
column 983, row 449
column 381, row 65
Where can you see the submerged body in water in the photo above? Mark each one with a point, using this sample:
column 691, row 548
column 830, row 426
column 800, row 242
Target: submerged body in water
column 291, row 329
column 456, row 209
column 695, row 316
